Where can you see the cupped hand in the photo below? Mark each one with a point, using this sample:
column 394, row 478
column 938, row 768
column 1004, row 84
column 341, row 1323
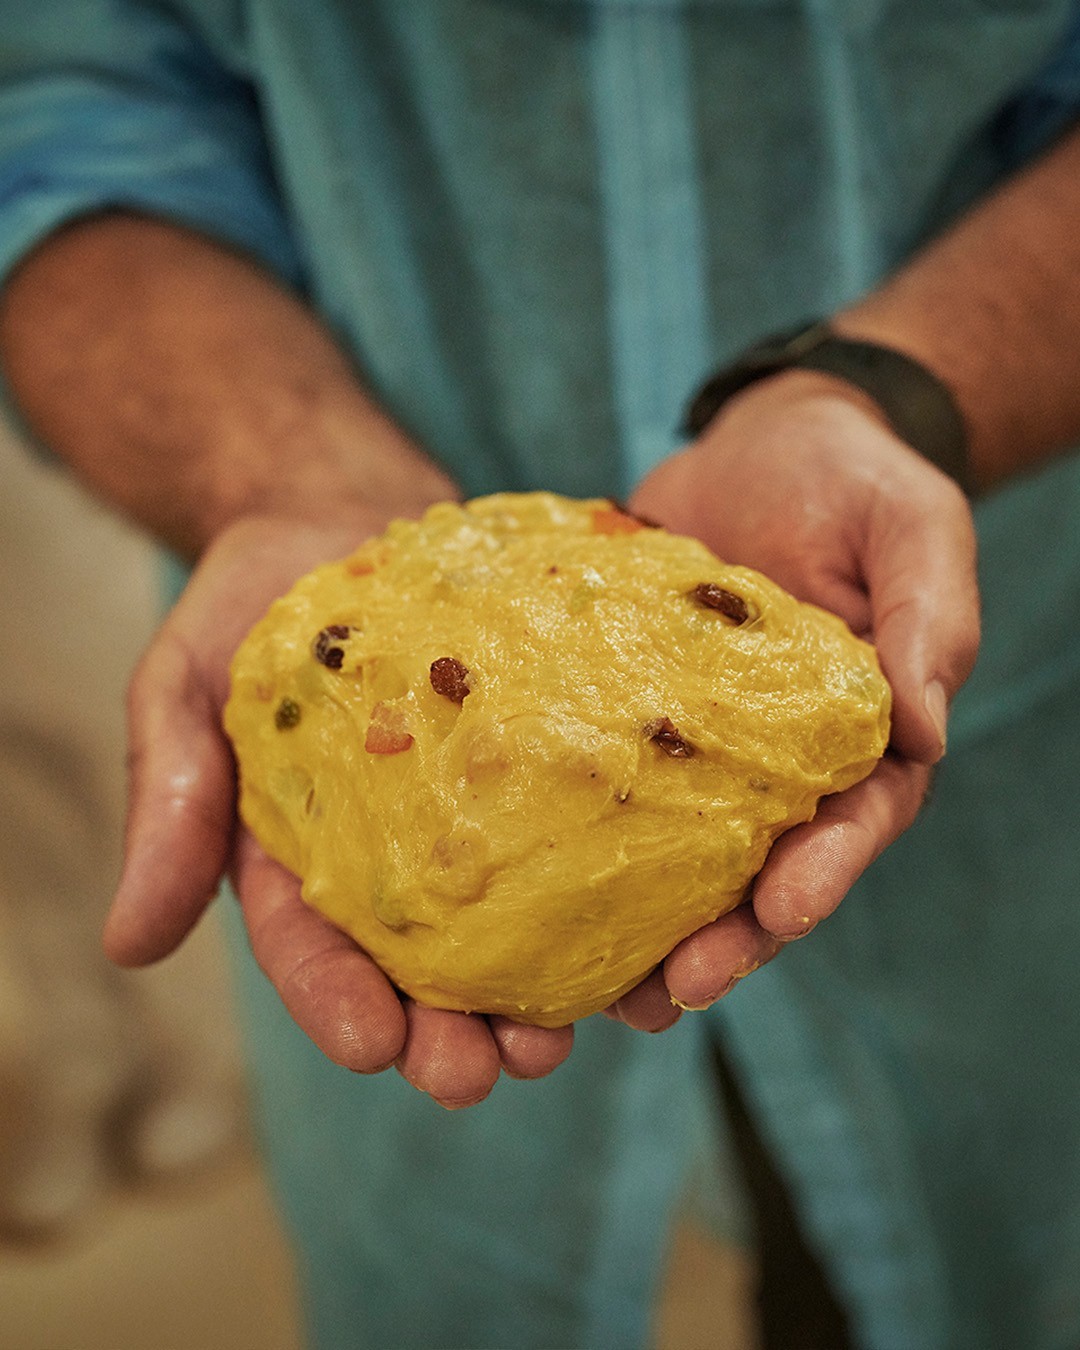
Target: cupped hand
column 183, row 837
column 800, row 478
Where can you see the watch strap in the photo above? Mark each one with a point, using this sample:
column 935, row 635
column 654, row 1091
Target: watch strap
column 915, row 403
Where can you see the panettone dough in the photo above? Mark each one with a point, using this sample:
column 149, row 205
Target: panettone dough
column 522, row 747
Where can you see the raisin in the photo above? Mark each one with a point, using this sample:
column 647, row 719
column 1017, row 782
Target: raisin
column 450, row 678
column 287, row 715
column 324, row 648
column 727, row 603
column 663, row 732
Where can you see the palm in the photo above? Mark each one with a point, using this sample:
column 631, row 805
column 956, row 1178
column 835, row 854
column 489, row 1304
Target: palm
column 182, row 839
column 818, row 495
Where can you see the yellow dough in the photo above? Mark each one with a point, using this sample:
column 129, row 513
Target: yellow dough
column 521, row 748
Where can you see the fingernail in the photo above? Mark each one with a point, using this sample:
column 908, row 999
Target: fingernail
column 806, row 926
column 937, row 708
column 738, row 977
column 731, row 985
column 740, row 974
column 459, row 1103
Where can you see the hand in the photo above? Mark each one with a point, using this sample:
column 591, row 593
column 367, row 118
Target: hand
column 799, row 478
column 182, row 837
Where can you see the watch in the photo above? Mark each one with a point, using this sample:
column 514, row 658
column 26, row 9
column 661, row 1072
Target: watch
column 915, row 403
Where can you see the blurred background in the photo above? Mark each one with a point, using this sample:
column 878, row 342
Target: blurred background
column 133, row 1212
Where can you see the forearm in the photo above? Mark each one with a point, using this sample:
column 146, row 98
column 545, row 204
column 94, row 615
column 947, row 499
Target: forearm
column 993, row 308
column 189, row 388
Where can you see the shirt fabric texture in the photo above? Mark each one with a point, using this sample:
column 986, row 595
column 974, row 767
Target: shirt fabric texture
column 537, row 225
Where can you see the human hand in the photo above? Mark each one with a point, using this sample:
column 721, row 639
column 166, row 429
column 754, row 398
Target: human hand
column 800, row 478
column 182, row 837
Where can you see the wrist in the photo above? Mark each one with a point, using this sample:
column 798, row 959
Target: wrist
column 330, row 466
column 913, row 335
column 794, row 386
column 908, row 396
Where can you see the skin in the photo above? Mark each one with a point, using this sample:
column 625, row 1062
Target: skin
column 200, row 398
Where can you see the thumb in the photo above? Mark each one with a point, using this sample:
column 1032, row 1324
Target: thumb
column 921, row 576
column 179, row 826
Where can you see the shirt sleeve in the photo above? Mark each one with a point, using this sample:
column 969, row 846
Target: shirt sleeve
column 119, row 104
column 1048, row 105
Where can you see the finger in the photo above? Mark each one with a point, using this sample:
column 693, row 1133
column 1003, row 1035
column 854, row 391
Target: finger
column 920, row 571
column 179, row 825
column 332, row 990
column 452, row 1056
column 708, row 964
column 811, row 868
column 530, row 1052
column 181, row 799
column 648, row 1006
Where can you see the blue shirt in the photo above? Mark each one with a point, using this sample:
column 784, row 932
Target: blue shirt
column 536, row 224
